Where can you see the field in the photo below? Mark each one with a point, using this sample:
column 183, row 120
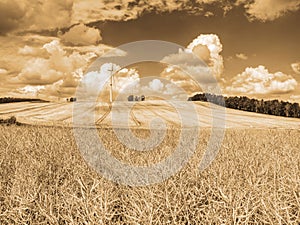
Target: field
column 60, row 113
column 255, row 178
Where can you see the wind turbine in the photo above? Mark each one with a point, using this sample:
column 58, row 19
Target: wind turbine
column 111, row 83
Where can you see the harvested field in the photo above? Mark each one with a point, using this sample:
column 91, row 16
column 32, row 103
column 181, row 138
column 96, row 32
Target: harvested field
column 141, row 115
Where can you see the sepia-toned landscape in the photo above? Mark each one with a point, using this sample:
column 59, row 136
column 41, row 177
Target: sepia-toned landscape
column 149, row 112
column 253, row 180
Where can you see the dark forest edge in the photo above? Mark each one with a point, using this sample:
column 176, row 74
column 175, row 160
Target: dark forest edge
column 270, row 107
column 11, row 100
column 10, row 121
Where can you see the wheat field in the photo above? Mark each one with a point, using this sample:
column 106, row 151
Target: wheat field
column 255, row 179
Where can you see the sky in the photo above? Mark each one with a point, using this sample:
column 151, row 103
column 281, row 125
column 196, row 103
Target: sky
column 251, row 47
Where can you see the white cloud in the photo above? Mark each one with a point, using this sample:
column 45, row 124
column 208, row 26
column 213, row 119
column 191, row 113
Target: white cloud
column 296, row 67
column 260, row 81
column 32, row 91
column 265, row 10
column 161, row 88
column 31, row 51
column 82, row 35
column 215, row 47
column 241, row 56
column 99, row 50
column 295, row 96
column 156, row 85
column 125, row 82
column 96, row 83
column 3, row 71
column 56, row 66
column 185, row 68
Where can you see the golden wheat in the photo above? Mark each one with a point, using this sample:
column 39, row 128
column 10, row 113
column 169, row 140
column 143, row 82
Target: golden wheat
column 255, row 179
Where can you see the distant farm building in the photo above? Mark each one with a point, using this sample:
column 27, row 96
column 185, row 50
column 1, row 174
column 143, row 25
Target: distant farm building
column 132, row 98
column 72, row 99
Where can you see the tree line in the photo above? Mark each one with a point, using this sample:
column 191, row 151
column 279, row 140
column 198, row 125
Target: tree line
column 271, row 107
column 11, row 100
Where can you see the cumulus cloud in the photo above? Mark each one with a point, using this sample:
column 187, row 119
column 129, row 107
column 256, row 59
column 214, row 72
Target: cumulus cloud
column 241, row 56
column 185, row 66
column 56, row 66
column 215, row 47
column 265, row 10
column 183, row 80
column 82, row 35
column 96, row 83
column 65, row 87
column 31, row 51
column 32, row 91
column 156, row 85
column 296, row 67
column 159, row 88
column 260, row 81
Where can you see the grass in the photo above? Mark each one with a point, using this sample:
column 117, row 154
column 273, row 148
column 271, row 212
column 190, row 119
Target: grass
column 255, row 179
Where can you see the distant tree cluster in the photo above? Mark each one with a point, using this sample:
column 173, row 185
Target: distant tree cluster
column 271, row 107
column 10, row 121
column 11, row 100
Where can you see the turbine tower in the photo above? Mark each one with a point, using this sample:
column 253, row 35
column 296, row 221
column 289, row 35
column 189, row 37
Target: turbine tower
column 110, row 84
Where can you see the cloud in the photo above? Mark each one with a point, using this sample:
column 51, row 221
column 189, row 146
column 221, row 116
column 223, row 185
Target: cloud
column 94, row 10
column 296, row 67
column 56, row 66
column 3, row 71
column 31, row 51
column 241, row 56
column 37, row 60
column 29, row 90
column 34, row 15
column 159, row 88
column 267, row 10
column 215, row 47
column 82, row 35
column 295, row 98
column 260, row 81
column 184, row 67
column 156, row 85
column 65, row 87
column 24, row 15
column 96, row 83
column 11, row 13
column 39, row 72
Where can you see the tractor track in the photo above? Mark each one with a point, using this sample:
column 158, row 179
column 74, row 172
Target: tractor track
column 28, row 109
column 104, row 115
column 137, row 122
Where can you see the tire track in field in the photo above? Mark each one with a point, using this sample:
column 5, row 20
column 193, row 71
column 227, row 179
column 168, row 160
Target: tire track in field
column 160, row 115
column 137, row 122
column 99, row 121
column 29, row 108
